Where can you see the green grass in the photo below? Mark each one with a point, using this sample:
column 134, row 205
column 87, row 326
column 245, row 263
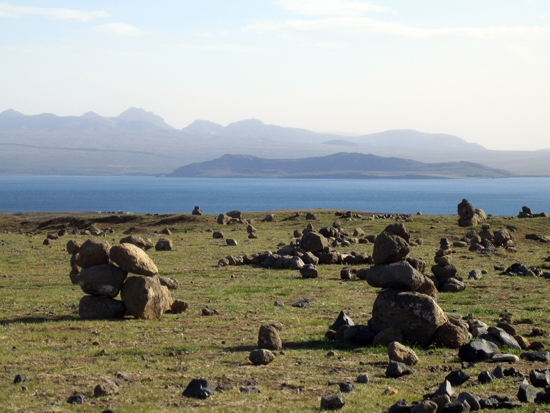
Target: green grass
column 42, row 336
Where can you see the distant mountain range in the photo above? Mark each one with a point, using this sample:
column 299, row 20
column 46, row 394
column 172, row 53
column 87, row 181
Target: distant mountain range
column 339, row 165
column 133, row 119
column 140, row 142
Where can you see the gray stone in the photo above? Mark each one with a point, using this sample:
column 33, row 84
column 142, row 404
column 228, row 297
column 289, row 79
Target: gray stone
column 426, row 406
column 141, row 242
column 477, row 350
column 527, row 393
column 314, row 242
column 261, row 357
column 163, row 244
column 452, row 285
column 309, row 271
column 389, row 248
column 505, row 358
column 475, row 274
column 471, row 399
column 105, row 280
column 503, row 337
column 416, row 315
column 334, row 402
column 540, row 378
column 396, row 369
column 199, row 389
column 95, row 307
column 399, row 275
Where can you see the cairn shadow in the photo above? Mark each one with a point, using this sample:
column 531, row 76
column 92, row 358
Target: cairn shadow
column 42, row 320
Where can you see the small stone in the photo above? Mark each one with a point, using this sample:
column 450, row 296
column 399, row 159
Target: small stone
column 402, row 354
column 20, row 378
column 486, row 377
column 199, row 389
column 444, row 388
column 457, row 377
column 347, row 387
column 498, row 373
column 505, row 358
column 279, row 303
column 402, row 406
column 250, row 390
column 363, row 378
column 261, row 357
column 77, row 399
column 426, row 406
column 396, row 369
column 471, row 399
column 106, row 388
column 334, row 402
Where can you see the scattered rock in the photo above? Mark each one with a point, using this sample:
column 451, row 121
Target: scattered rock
column 261, row 356
column 199, row 389
column 402, row 354
column 334, row 402
column 268, row 338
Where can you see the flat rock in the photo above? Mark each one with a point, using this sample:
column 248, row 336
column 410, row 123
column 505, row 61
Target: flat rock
column 133, row 259
column 505, row 358
column 399, row 275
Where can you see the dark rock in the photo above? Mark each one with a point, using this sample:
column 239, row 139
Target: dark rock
column 451, row 335
column 199, row 389
column 477, row 350
column 444, row 389
column 486, row 377
column 342, row 319
column 301, row 304
column 512, row 372
column 314, row 242
column 527, row 393
column 347, row 387
column 20, row 378
column 196, row 211
column 396, row 369
column 505, row 338
column 76, row 399
column 458, row 406
column 387, row 336
column 105, row 280
column 390, row 248
column 457, row 377
column 108, row 387
column 217, row 235
column 540, row 378
column 309, row 271
column 348, row 273
column 363, row 378
column 543, row 356
column 471, row 399
column 250, row 390
column 163, row 244
column 401, row 407
column 416, row 315
column 96, row 307
column 426, row 406
column 498, row 373
column 399, row 275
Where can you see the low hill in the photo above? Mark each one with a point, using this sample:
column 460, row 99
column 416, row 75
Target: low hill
column 340, row 165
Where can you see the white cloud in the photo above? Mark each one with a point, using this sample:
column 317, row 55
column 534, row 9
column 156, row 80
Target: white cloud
column 365, row 24
column 119, row 29
column 329, row 7
column 10, row 11
column 222, row 47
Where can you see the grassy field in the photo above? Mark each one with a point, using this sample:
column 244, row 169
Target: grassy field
column 42, row 336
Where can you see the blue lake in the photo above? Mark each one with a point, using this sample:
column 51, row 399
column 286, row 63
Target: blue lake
column 179, row 195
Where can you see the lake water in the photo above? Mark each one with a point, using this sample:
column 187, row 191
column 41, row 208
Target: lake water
column 179, row 195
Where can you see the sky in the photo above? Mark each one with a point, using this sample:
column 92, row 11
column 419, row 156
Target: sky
column 477, row 69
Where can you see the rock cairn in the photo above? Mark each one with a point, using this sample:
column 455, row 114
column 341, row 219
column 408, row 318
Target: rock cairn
column 468, row 215
column 196, row 211
column 527, row 212
column 488, row 242
column 446, row 279
column 406, row 309
column 102, row 273
column 309, row 249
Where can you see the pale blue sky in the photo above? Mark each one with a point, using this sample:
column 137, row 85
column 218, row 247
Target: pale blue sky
column 476, row 69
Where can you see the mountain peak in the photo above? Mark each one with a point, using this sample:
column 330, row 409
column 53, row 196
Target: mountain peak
column 10, row 113
column 90, row 115
column 141, row 115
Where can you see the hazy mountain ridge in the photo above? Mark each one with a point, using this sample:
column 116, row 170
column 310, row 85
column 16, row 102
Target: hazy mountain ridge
column 140, row 144
column 340, row 165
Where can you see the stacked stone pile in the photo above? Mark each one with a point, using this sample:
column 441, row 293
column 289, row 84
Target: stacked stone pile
column 527, row 212
column 406, row 309
column 196, row 211
column 231, row 217
column 487, row 241
column 468, row 215
column 308, row 250
column 102, row 273
column 444, row 271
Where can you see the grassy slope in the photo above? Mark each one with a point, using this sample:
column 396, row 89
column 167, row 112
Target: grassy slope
column 42, row 336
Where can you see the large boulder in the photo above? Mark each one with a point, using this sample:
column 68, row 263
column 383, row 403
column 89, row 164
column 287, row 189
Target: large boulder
column 417, row 315
column 105, row 280
column 96, row 307
column 141, row 242
column 477, row 350
column 145, row 297
column 133, row 259
column 389, row 248
column 314, row 242
column 399, row 275
column 93, row 253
